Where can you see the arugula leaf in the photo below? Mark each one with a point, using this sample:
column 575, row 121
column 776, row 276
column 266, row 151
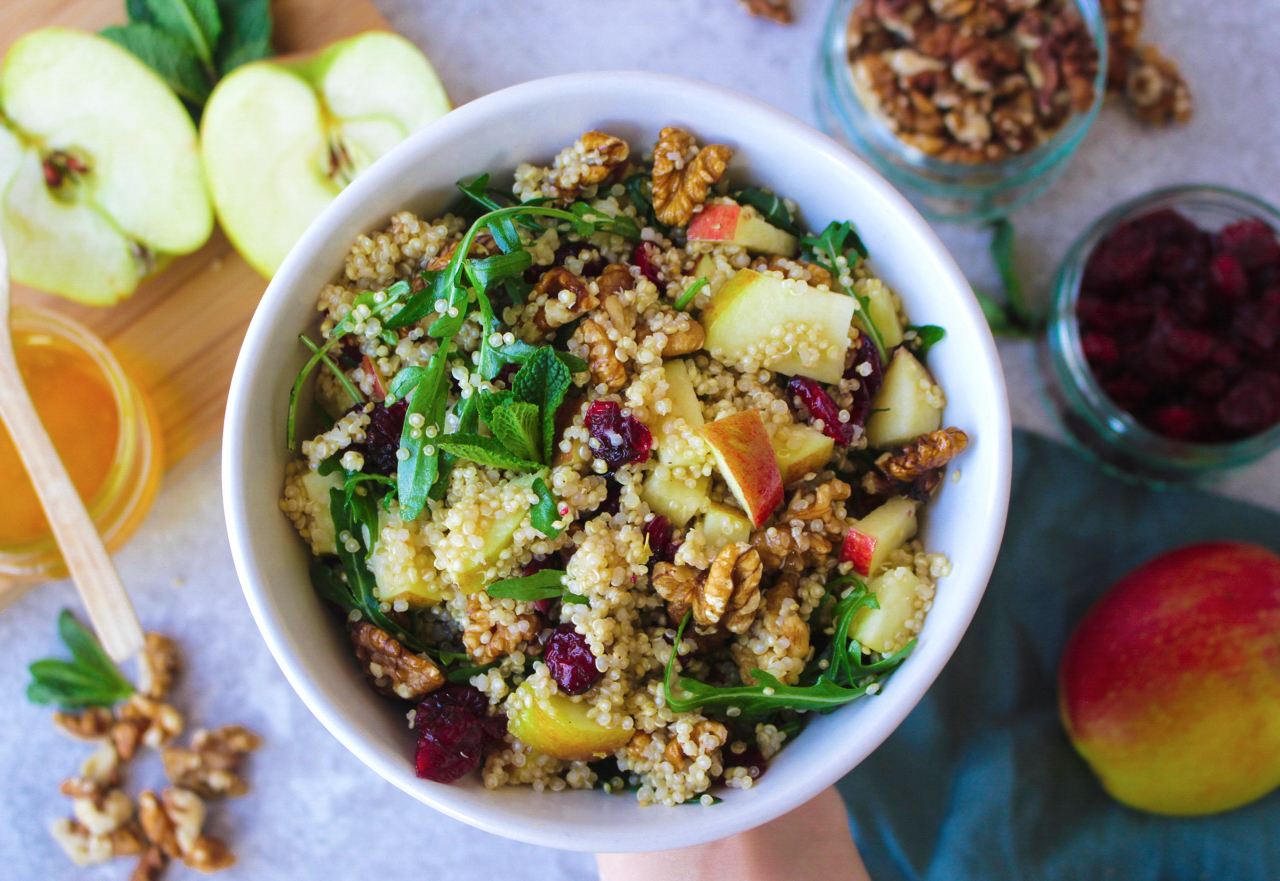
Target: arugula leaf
column 517, row 289
column 404, row 381
column 416, row 474
column 330, row 465
column 90, row 679
column 166, row 55
column 478, row 191
column 544, row 585
column 823, row 250
column 587, row 219
column 485, row 450
column 774, row 209
column 516, row 424
column 464, row 674
column 484, row 272
column 927, row 336
column 641, row 200
column 357, row 592
column 687, row 297
column 1013, row 317
column 546, row 513
column 337, row 372
column 543, row 381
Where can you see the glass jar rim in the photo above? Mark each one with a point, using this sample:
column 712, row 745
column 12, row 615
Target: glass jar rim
column 1077, row 380
column 1005, row 174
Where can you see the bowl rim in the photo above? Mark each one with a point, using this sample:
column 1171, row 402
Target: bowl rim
column 914, row 681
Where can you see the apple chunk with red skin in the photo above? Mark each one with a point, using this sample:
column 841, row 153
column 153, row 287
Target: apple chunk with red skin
column 742, row 225
column 1170, row 685
column 870, row 541
column 741, row 447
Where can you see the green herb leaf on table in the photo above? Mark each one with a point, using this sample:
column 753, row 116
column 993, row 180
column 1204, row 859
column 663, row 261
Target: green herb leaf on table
column 196, row 22
column 167, row 56
column 774, row 209
column 246, row 33
column 544, row 585
column 485, row 450
column 90, row 679
column 546, row 513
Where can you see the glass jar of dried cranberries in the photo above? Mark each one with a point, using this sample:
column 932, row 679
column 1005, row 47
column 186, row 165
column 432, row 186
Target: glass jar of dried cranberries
column 1162, row 356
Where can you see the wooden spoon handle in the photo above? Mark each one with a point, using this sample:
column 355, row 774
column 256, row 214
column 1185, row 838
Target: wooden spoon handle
column 100, row 588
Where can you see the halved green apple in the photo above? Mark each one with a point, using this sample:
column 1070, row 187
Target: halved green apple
column 99, row 168
column 281, row 139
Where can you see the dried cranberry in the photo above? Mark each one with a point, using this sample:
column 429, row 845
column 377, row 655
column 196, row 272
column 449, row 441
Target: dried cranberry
column 820, row 406
column 661, row 537
column 1229, row 278
column 1176, row 421
column 750, row 758
column 1101, row 351
column 1251, row 241
column 382, row 438
column 454, row 730
column 570, row 660
column 592, row 267
column 1121, row 258
column 646, row 259
column 612, row 503
column 349, row 353
column 616, row 439
column 1253, row 405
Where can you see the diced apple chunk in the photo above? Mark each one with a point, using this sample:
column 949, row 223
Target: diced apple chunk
column 906, row 405
column 871, row 540
column 801, row 450
column 401, row 569
column 560, row 727
column 676, row 436
column 884, row 629
column 743, row 225
column 723, row 525
column 470, row 570
column 315, row 506
column 881, row 310
column 750, row 317
column 674, row 499
column 744, row 455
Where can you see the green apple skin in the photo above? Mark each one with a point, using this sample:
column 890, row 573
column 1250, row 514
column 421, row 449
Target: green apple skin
column 270, row 129
column 559, row 726
column 144, row 192
column 1170, row 685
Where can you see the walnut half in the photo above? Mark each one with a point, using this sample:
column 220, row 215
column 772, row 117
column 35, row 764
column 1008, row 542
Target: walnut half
column 725, row 597
column 681, row 177
column 390, row 668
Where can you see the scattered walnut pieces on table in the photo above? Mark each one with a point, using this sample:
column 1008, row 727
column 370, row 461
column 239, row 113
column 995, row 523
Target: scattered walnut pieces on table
column 161, row 828
column 1150, row 83
column 774, row 10
column 972, row 81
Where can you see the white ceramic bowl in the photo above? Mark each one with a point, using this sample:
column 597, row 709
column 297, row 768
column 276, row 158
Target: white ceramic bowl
column 534, row 121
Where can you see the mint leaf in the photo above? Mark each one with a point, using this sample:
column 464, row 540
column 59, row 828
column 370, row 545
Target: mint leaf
column 196, row 22
column 516, row 424
column 485, row 450
column 166, row 55
column 543, row 381
column 91, row 679
column 774, row 209
column 246, row 33
column 417, row 473
column 519, row 352
column 486, row 403
column 545, row 585
column 546, row 513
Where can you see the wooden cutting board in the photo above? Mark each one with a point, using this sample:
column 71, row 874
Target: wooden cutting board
column 180, row 332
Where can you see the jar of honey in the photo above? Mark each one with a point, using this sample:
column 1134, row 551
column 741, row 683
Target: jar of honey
column 103, row 428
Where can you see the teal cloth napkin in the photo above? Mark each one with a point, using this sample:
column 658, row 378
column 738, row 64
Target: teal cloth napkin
column 980, row 782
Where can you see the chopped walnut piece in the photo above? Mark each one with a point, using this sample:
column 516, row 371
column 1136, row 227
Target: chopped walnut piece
column 483, row 245
column 921, row 488
column 683, row 333
column 561, row 297
column 390, row 668
column 99, row 774
column 1124, row 21
column 778, row 641
column 92, row 724
column 726, row 597
column 1154, row 89
column 103, row 813
column 808, row 532
column 602, row 355
column 682, row 177
column 774, row 10
column 158, row 666
column 210, row 767
column 173, row 823
column 143, row 720
column 488, row 637
column 209, row 854
column 925, row 453
column 150, row 866
column 86, row 849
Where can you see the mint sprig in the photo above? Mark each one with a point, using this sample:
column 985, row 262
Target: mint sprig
column 547, row 584
column 90, row 679
column 192, row 44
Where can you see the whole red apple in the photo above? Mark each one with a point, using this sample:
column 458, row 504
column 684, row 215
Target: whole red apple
column 1170, row 686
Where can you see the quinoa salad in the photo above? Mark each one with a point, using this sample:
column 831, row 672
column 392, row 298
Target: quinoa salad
column 614, row 472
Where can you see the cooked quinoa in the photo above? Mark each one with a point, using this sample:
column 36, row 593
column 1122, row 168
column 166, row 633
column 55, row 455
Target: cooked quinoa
column 605, row 537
